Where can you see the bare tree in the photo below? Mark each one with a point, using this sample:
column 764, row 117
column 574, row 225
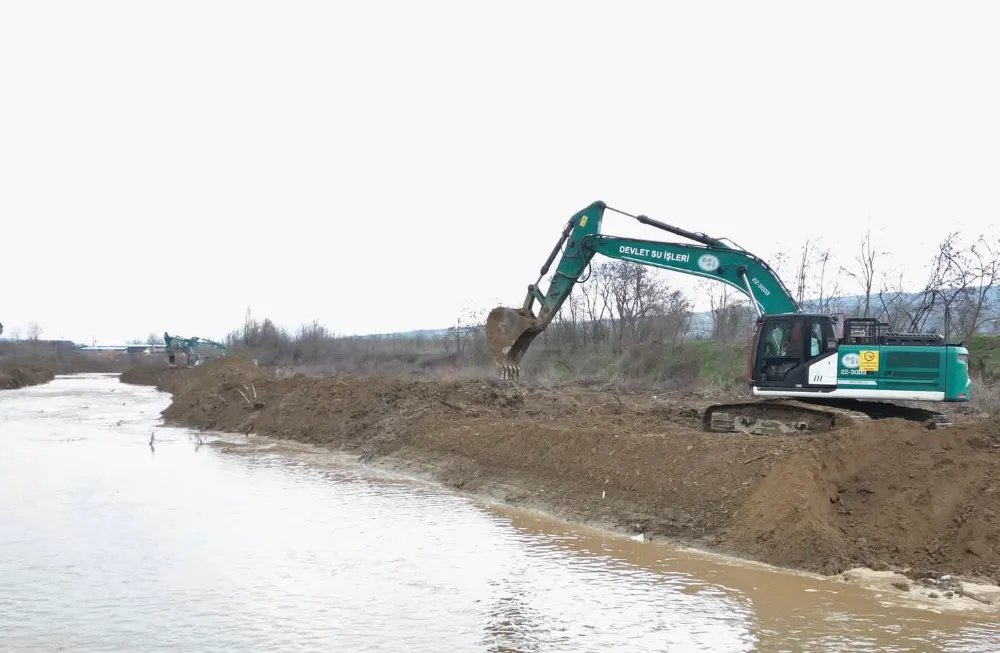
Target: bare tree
column 34, row 331
column 813, row 286
column 311, row 342
column 636, row 295
column 466, row 329
column 14, row 333
column 596, row 303
column 731, row 316
column 967, row 281
column 801, row 276
column 779, row 263
column 565, row 329
column 674, row 323
column 571, row 318
column 894, row 306
column 920, row 307
column 827, row 292
column 153, row 339
column 864, row 273
column 958, row 296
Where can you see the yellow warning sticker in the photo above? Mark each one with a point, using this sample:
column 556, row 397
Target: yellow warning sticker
column 583, row 221
column 869, row 360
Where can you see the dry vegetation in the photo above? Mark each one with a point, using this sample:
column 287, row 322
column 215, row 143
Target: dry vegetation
column 30, row 362
column 625, row 326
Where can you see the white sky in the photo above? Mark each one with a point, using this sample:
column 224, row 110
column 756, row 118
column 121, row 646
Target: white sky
column 383, row 166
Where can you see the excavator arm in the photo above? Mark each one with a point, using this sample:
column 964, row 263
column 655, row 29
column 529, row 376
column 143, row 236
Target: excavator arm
column 510, row 331
column 190, row 346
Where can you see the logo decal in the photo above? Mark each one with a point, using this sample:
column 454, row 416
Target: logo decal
column 708, row 262
column 850, row 361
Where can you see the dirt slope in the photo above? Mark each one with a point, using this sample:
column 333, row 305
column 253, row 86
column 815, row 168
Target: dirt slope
column 20, row 371
column 16, row 374
column 886, row 495
column 149, row 374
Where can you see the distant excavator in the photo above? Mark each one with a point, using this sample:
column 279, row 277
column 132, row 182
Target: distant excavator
column 192, row 348
column 813, row 372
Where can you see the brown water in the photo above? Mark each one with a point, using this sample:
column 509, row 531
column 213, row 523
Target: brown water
column 110, row 544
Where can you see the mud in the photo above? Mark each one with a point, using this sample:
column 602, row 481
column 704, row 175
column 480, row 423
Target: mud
column 888, row 496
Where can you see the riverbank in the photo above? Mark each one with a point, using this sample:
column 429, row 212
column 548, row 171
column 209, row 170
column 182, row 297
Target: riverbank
column 889, row 495
column 23, row 371
column 17, row 374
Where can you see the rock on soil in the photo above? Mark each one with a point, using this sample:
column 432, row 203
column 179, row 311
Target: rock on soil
column 888, row 495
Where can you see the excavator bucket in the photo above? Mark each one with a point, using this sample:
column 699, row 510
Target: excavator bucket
column 509, row 331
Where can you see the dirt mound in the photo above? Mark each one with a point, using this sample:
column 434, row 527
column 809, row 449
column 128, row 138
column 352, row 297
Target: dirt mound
column 887, row 496
column 153, row 374
column 891, row 494
column 18, row 375
column 25, row 370
column 83, row 364
column 212, row 373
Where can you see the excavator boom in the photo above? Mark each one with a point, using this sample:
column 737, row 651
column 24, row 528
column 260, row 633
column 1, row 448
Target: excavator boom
column 510, row 331
column 191, row 348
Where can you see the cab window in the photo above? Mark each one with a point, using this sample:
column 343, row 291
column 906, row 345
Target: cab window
column 822, row 339
column 815, row 340
column 777, row 339
column 797, row 339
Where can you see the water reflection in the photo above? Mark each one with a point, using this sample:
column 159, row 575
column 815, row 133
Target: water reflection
column 107, row 546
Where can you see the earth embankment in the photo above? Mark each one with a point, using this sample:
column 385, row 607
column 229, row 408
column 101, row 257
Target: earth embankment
column 19, row 371
column 15, row 375
column 889, row 494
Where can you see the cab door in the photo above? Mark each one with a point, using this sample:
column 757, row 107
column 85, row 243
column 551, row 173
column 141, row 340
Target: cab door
column 794, row 351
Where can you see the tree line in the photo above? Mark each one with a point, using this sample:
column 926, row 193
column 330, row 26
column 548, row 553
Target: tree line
column 627, row 319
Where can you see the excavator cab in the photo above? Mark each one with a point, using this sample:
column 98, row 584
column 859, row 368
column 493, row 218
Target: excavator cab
column 792, row 350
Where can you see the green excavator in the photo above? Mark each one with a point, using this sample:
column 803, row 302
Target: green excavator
column 807, row 372
column 192, row 348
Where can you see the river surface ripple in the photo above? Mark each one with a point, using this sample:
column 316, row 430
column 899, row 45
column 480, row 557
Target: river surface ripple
column 108, row 543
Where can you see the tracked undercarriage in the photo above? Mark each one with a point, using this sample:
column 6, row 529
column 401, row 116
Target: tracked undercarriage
column 788, row 416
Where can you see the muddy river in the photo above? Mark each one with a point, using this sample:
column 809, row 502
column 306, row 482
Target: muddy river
column 111, row 542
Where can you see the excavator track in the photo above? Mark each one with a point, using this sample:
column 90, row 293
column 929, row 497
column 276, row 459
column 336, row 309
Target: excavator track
column 787, row 416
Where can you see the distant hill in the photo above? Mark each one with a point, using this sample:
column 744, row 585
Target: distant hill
column 701, row 321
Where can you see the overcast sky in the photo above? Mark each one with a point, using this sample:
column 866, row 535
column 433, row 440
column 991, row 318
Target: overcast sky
column 385, row 166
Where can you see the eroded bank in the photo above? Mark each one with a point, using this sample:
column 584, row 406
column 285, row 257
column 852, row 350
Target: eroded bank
column 889, row 495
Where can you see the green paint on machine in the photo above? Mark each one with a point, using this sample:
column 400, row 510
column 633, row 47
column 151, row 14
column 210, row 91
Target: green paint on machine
column 907, row 369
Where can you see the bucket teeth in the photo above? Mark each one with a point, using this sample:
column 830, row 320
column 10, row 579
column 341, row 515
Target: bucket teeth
column 509, row 331
column 508, row 372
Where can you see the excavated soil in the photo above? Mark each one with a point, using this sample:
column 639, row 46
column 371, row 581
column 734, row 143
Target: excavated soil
column 149, row 374
column 15, row 375
column 884, row 495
